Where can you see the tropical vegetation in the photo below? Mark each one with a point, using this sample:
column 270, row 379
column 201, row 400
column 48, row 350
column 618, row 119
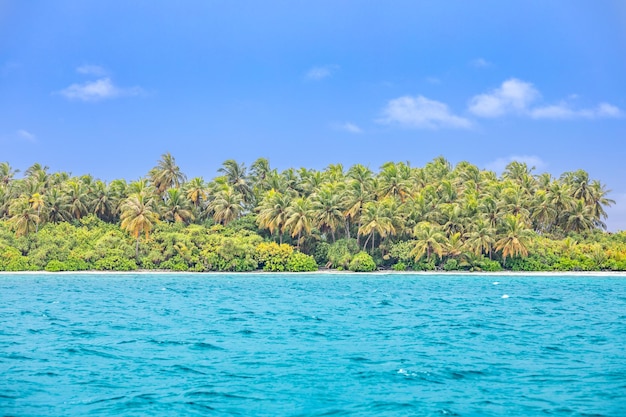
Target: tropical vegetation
column 434, row 217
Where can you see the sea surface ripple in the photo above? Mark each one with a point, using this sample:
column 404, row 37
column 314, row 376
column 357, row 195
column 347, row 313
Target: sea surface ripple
column 312, row 345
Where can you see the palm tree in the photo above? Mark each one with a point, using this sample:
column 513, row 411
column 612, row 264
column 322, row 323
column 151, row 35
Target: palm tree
column 57, row 207
column 196, row 191
column 394, row 180
column 138, row 216
column 237, row 178
column 226, row 206
column 480, row 239
column 430, row 239
column 76, row 198
column 357, row 194
column 259, row 172
column 378, row 217
column 327, row 209
column 515, row 238
column 166, row 174
column 598, row 200
column 37, row 203
column 580, row 217
column 273, row 212
column 24, row 218
column 176, row 207
column 118, row 192
column 101, row 203
column 6, row 173
column 299, row 218
column 543, row 213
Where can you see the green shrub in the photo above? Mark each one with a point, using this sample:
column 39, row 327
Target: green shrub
column 400, row 266
column 272, row 256
column 11, row 259
column 451, row 265
column 321, row 253
column 341, row 252
column 115, row 263
column 362, row 262
column 300, row 262
column 175, row 264
column 489, row 265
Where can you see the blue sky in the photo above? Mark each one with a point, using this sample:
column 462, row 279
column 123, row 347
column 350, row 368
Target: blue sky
column 106, row 87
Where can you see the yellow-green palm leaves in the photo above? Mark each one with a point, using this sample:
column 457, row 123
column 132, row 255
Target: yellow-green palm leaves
column 138, row 216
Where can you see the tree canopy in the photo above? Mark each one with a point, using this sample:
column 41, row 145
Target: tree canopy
column 403, row 217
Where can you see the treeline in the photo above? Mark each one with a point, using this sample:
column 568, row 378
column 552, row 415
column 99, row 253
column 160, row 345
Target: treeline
column 437, row 216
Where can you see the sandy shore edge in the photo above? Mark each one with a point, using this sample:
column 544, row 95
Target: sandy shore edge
column 326, row 272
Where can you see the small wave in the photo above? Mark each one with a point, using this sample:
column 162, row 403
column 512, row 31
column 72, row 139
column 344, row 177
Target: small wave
column 213, row 394
column 362, row 359
column 205, row 346
column 105, row 400
column 187, row 369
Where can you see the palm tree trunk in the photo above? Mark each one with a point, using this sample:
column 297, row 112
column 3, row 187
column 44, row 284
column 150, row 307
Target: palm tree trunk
column 366, row 240
column 137, row 249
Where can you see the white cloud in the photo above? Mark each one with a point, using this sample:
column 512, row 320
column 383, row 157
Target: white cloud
column 516, row 97
column 564, row 111
column 500, row 164
column 319, row 73
column 349, row 127
column 92, row 70
column 26, row 135
column 480, row 63
column 513, row 96
column 97, row 90
column 420, row 112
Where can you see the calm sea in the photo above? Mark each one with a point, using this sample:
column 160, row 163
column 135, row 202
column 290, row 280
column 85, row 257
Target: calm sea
column 304, row 345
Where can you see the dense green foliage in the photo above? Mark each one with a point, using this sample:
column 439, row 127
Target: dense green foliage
column 436, row 217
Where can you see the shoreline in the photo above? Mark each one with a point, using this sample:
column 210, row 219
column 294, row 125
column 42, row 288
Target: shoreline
column 333, row 272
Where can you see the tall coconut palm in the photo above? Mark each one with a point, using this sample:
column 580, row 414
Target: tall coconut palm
column 378, row 217
column 118, row 192
column 226, row 206
column 580, row 217
column 166, row 174
column 237, row 177
column 259, row 172
column 37, row 203
column 196, row 191
column 273, row 212
column 598, row 200
column 480, row 239
column 543, row 213
column 76, row 198
column 356, row 195
column 138, row 217
column 327, row 209
column 177, row 207
column 57, row 207
column 6, row 173
column 514, row 238
column 299, row 218
column 100, row 201
column 23, row 216
column 429, row 239
column 394, row 180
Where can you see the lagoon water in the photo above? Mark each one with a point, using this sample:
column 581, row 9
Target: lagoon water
column 312, row 345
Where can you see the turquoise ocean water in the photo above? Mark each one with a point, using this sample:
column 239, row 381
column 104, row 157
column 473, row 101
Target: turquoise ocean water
column 304, row 345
